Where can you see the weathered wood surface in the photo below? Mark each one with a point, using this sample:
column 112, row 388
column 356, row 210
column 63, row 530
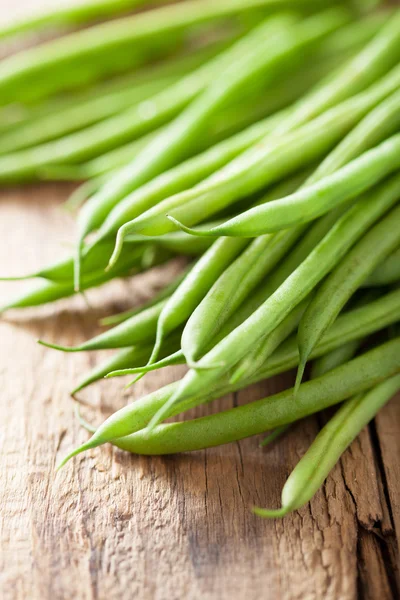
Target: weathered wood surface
column 120, row 527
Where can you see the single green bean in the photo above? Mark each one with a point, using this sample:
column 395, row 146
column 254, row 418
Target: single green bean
column 345, row 279
column 352, row 325
column 327, row 448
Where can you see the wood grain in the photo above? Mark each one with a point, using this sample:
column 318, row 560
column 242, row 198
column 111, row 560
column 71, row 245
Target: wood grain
column 116, row 526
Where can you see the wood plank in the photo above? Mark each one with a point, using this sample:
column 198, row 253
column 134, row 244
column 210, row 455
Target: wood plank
column 112, row 525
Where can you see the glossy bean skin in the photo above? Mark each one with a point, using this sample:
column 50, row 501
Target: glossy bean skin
column 337, row 435
column 253, row 362
column 345, row 279
column 387, row 273
column 356, row 376
column 301, row 207
column 353, row 325
column 293, row 290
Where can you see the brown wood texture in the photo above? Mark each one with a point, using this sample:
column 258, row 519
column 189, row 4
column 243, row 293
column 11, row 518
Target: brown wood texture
column 115, row 526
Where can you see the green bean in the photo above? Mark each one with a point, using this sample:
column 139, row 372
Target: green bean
column 50, row 291
column 335, row 358
column 270, row 438
column 254, row 361
column 94, row 259
column 345, row 279
column 268, row 161
column 352, row 325
column 301, row 207
column 173, row 358
column 337, row 435
column 70, row 15
column 163, row 294
column 294, row 289
column 127, row 358
column 80, row 116
column 137, row 329
column 356, row 376
column 388, row 272
column 258, row 55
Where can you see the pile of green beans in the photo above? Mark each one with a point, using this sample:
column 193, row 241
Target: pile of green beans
column 233, row 134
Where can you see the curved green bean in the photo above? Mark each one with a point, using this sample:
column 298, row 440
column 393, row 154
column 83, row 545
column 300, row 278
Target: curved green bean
column 329, row 445
column 345, row 279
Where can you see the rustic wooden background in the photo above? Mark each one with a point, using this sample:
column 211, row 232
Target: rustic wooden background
column 116, row 526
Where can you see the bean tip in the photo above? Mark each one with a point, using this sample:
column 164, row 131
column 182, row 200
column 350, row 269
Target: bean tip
column 266, row 513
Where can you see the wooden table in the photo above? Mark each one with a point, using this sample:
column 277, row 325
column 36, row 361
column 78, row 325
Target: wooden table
column 116, row 526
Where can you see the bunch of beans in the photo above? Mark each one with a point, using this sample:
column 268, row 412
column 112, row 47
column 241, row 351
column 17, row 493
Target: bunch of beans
column 261, row 139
